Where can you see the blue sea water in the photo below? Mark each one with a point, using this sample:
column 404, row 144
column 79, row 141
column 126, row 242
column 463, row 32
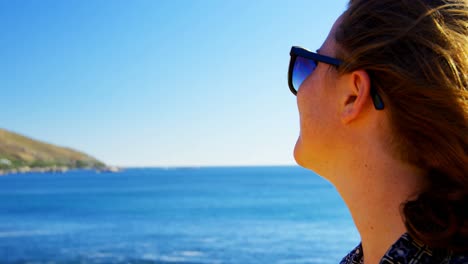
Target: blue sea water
column 189, row 215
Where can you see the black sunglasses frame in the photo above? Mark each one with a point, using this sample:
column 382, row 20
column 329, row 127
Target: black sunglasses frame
column 304, row 53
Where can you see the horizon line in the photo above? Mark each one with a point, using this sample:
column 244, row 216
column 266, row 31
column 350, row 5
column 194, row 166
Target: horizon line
column 202, row 166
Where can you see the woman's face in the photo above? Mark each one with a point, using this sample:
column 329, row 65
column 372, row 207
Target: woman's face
column 319, row 114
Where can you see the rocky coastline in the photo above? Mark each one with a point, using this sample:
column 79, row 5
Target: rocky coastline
column 57, row 169
column 20, row 154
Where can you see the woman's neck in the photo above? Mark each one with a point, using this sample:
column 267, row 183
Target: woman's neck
column 374, row 190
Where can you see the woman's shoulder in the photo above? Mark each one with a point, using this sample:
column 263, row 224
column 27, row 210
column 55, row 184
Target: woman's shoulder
column 461, row 258
column 409, row 250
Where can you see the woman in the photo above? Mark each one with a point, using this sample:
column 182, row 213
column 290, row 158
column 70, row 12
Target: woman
column 383, row 110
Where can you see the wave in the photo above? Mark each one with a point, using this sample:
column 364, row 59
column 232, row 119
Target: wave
column 25, row 233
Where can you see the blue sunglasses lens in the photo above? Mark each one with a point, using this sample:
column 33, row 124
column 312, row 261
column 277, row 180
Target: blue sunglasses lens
column 302, row 68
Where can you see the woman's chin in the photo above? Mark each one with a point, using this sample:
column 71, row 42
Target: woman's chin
column 299, row 153
column 305, row 159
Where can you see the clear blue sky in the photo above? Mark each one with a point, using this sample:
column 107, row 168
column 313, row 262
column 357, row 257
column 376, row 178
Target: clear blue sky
column 158, row 83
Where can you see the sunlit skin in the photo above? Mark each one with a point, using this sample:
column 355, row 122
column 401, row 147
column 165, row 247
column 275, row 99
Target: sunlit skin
column 346, row 140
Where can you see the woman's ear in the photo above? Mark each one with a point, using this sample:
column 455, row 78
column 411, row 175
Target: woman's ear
column 357, row 95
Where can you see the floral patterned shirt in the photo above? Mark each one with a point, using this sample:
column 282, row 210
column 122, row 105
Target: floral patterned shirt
column 408, row 250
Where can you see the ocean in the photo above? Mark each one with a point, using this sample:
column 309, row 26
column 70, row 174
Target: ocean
column 237, row 215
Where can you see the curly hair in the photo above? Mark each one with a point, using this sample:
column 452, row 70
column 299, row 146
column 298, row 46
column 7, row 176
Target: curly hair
column 416, row 54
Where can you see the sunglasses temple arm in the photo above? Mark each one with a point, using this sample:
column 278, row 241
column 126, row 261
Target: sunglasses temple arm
column 376, row 99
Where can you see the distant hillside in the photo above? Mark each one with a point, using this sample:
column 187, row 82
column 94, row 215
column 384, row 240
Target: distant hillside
column 21, row 154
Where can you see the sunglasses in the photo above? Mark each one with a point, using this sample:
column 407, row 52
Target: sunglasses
column 303, row 62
